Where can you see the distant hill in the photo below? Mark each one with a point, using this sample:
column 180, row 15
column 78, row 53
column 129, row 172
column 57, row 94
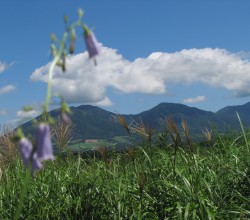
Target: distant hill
column 228, row 114
column 92, row 122
column 241, row 109
column 197, row 119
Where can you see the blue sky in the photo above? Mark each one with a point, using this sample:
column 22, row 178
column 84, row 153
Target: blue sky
column 194, row 52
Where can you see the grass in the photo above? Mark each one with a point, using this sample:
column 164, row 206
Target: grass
column 174, row 181
column 117, row 141
column 89, row 146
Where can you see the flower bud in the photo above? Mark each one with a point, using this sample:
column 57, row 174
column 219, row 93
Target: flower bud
column 66, row 19
column 80, row 12
column 72, row 47
column 92, row 44
column 53, row 37
column 63, row 64
column 65, row 118
column 43, row 142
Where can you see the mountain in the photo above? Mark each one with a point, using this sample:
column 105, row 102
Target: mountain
column 197, row 119
column 241, row 109
column 228, row 114
column 92, row 122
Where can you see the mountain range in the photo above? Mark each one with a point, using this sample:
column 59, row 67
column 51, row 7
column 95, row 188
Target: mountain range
column 91, row 122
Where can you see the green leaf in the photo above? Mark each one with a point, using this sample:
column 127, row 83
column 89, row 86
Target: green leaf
column 186, row 211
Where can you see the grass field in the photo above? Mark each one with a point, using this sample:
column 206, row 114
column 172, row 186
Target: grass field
column 81, row 146
column 152, row 180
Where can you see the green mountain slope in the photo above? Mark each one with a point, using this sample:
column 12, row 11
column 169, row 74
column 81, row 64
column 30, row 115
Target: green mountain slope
column 197, row 119
column 92, row 122
column 228, row 114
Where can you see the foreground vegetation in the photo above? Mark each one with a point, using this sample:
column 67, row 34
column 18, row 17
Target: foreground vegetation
column 152, row 180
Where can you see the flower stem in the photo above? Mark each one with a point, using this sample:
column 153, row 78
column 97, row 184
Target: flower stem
column 51, row 70
column 23, row 193
column 55, row 61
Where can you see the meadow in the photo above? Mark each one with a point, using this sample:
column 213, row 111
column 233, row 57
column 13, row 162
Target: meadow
column 79, row 145
column 165, row 177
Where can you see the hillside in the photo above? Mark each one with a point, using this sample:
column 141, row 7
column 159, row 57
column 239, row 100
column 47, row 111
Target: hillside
column 94, row 122
column 197, row 119
column 228, row 114
column 90, row 122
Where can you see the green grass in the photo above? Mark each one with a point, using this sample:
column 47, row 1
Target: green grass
column 121, row 139
column 142, row 183
column 85, row 146
column 117, row 140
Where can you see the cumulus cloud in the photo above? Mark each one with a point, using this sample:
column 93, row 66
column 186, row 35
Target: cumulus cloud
column 105, row 102
column 195, row 99
column 85, row 83
column 24, row 116
column 27, row 114
column 7, row 89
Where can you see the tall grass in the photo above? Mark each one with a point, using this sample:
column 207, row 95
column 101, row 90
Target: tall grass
column 61, row 132
column 7, row 148
column 143, row 182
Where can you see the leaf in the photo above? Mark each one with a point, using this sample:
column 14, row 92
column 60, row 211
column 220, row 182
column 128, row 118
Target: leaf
column 186, row 211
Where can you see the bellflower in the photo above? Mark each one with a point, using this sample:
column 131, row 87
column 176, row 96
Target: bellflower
column 43, row 142
column 25, row 148
column 65, row 118
column 28, row 156
column 92, row 44
column 36, row 163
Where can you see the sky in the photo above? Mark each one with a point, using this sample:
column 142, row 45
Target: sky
column 194, row 52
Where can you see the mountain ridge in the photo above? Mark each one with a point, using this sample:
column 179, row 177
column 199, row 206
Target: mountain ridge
column 95, row 122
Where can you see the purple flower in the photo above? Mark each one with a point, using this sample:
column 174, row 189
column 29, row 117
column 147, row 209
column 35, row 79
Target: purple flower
column 43, row 142
column 65, row 118
column 25, row 148
column 36, row 163
column 92, row 45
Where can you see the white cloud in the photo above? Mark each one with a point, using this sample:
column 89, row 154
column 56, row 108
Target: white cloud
column 4, row 66
column 24, row 116
column 85, row 83
column 7, row 89
column 195, row 99
column 105, row 102
column 27, row 114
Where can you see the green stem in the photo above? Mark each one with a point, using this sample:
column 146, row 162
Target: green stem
column 48, row 96
column 51, row 70
column 23, row 193
column 55, row 61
